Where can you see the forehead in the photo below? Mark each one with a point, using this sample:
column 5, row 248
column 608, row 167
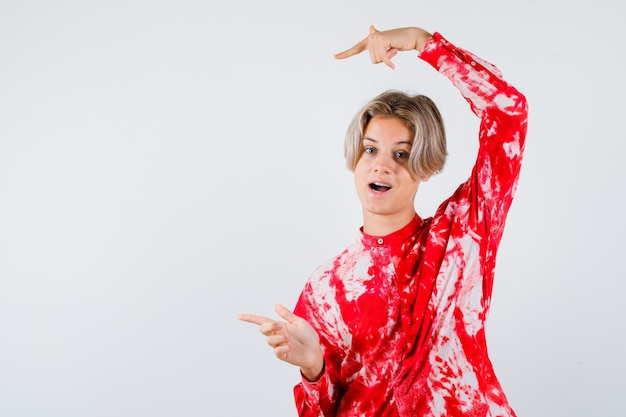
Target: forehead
column 387, row 130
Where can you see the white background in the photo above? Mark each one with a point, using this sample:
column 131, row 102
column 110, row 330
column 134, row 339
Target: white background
column 165, row 166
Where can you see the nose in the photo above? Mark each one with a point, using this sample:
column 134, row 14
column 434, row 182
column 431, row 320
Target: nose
column 383, row 164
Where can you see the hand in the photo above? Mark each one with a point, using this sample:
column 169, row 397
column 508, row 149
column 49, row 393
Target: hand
column 294, row 341
column 383, row 46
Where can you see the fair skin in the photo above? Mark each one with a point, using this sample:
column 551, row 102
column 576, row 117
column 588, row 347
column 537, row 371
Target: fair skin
column 382, row 178
column 385, row 188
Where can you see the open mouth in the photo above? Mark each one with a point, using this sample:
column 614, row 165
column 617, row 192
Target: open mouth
column 380, row 187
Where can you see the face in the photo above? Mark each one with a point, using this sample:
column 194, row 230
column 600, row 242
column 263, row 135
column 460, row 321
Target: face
column 383, row 182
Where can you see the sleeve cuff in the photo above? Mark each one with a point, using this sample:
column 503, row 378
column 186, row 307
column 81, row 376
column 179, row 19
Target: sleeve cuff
column 435, row 49
column 315, row 389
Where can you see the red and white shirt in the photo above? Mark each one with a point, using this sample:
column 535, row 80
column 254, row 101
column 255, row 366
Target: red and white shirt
column 401, row 317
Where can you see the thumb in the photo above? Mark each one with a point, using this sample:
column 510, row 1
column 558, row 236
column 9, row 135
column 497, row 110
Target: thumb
column 285, row 313
column 373, row 29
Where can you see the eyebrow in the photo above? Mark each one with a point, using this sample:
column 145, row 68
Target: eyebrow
column 402, row 142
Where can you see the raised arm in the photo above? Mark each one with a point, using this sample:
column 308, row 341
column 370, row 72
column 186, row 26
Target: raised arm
column 503, row 113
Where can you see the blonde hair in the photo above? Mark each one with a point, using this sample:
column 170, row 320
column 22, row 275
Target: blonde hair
column 421, row 117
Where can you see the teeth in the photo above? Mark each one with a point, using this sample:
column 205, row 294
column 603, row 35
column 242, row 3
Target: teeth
column 380, row 186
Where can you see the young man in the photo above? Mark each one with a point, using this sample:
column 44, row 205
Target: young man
column 394, row 325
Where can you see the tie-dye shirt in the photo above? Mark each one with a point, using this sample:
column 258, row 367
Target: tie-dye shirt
column 401, row 318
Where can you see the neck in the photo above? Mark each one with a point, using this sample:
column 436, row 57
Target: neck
column 383, row 225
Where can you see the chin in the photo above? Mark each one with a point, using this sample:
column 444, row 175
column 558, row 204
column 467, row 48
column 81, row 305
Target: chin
column 378, row 211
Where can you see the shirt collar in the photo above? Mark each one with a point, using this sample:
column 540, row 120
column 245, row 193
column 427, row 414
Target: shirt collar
column 393, row 238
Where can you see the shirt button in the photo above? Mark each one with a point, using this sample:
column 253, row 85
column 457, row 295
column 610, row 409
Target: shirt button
column 473, row 64
column 380, row 241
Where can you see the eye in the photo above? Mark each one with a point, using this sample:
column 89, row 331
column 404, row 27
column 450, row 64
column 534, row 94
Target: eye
column 402, row 155
column 369, row 150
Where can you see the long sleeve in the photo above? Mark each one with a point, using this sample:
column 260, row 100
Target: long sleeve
column 503, row 113
column 448, row 290
column 317, row 399
column 320, row 398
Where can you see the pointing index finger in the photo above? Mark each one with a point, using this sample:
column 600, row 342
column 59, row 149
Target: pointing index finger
column 254, row 319
column 356, row 49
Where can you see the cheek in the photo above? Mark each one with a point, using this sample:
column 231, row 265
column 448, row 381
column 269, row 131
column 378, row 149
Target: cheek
column 360, row 168
column 361, row 179
column 358, row 178
column 410, row 182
